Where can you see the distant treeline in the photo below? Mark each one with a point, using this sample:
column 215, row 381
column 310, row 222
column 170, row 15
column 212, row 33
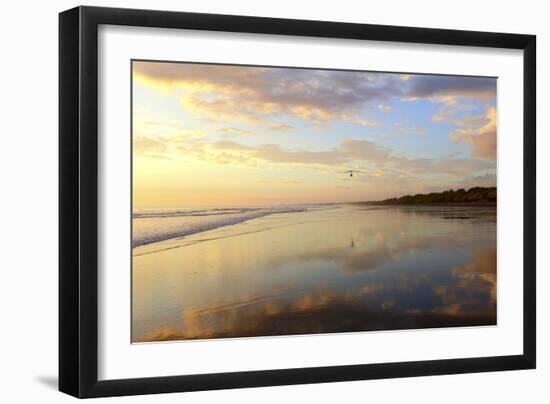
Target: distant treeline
column 472, row 195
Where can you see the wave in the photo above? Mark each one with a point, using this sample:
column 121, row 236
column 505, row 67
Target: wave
column 151, row 226
column 201, row 240
column 189, row 212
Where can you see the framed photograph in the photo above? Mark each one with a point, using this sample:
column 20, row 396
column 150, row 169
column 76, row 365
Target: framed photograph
column 251, row 201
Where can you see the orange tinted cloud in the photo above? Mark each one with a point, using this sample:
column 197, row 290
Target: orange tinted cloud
column 252, row 95
column 483, row 139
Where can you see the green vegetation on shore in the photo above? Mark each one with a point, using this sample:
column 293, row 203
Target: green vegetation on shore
column 475, row 195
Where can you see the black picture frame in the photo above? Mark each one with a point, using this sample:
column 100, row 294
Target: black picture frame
column 78, row 201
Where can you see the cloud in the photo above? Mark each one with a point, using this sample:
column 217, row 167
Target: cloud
column 480, row 274
column 456, row 166
column 349, row 150
column 460, row 114
column 483, row 139
column 256, row 95
column 484, row 180
column 280, row 127
column 432, row 86
column 385, row 108
column 169, row 75
column 163, row 129
column 386, row 172
column 474, row 291
column 237, row 102
column 249, row 95
column 467, row 296
column 148, row 146
column 232, row 131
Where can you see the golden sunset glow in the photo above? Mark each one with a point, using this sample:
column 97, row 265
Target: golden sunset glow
column 217, row 135
column 282, row 201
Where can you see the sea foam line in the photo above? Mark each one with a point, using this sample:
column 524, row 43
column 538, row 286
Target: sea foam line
column 188, row 229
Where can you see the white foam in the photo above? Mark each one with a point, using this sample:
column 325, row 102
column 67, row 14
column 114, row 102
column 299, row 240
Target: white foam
column 150, row 226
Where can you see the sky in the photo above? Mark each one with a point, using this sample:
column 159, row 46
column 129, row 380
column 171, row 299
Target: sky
column 207, row 135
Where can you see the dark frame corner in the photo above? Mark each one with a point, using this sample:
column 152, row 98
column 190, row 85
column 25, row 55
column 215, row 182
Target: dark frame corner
column 78, row 209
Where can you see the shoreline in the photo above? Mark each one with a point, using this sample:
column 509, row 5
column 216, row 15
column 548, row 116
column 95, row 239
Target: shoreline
column 204, row 228
column 208, row 228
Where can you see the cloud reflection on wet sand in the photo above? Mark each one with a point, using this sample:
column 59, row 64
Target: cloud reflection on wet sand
column 375, row 270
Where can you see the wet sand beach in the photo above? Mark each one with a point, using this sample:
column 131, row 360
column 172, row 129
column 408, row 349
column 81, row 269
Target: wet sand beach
column 338, row 268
